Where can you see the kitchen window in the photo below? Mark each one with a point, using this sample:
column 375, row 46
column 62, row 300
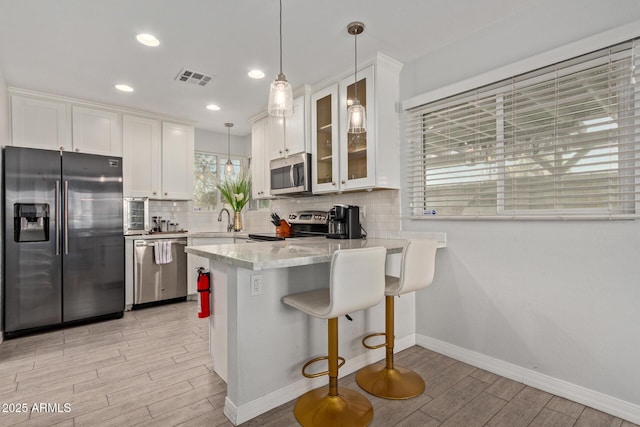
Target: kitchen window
column 208, row 167
column 560, row 142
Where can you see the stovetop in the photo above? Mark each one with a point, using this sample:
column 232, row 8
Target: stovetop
column 310, row 223
column 267, row 237
column 272, row 237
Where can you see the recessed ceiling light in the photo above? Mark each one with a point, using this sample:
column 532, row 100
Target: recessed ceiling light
column 124, row 88
column 213, row 107
column 148, row 40
column 256, row 74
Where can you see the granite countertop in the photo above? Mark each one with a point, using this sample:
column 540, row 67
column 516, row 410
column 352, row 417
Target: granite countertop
column 287, row 253
column 197, row 234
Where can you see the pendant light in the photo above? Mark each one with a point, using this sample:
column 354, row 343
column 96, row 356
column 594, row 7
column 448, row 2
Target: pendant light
column 356, row 115
column 281, row 95
column 228, row 167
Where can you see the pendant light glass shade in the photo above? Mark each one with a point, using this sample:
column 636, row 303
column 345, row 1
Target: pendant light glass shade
column 228, row 167
column 357, row 117
column 281, row 94
column 280, row 98
column 356, row 114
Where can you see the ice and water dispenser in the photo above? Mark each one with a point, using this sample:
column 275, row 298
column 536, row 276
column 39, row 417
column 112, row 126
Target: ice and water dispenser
column 31, row 222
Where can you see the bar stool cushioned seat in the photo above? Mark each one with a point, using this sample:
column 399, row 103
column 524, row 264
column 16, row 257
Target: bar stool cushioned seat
column 356, row 283
column 416, row 272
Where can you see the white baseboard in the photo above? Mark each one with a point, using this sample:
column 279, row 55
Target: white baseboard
column 240, row 414
column 600, row 401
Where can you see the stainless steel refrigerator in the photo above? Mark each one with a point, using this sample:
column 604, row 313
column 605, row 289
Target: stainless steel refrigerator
column 63, row 241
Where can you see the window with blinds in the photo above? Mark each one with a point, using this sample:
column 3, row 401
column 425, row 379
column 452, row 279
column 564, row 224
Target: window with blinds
column 558, row 142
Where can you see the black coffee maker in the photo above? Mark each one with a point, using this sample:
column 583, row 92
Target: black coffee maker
column 344, row 222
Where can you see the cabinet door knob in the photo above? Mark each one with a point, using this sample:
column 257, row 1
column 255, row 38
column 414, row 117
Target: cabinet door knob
column 77, row 150
column 165, row 194
column 333, row 183
column 279, row 151
column 61, row 148
column 343, row 182
column 286, row 150
column 154, row 193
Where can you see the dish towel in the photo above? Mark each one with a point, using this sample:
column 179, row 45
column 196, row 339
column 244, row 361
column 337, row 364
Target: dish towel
column 162, row 252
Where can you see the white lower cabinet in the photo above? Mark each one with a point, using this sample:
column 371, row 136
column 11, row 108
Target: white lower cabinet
column 128, row 273
column 194, row 261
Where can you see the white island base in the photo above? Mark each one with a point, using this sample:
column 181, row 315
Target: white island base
column 259, row 344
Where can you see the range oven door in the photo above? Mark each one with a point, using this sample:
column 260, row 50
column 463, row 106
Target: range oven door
column 291, row 175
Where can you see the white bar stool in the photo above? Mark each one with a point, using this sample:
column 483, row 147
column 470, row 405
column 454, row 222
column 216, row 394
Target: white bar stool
column 356, row 283
column 416, row 272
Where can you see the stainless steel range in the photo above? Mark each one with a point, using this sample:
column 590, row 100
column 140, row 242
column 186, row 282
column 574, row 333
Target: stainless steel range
column 303, row 224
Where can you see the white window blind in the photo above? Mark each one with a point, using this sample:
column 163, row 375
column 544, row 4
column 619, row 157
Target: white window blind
column 559, row 142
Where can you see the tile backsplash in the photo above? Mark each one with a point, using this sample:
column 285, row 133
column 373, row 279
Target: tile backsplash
column 379, row 212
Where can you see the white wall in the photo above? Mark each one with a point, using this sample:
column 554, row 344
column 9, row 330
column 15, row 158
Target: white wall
column 556, row 298
column 214, row 142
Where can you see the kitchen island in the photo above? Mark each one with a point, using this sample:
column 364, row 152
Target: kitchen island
column 259, row 344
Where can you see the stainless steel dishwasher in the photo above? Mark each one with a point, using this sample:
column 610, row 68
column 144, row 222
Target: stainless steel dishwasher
column 159, row 282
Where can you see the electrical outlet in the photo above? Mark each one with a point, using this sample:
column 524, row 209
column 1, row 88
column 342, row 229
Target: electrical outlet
column 256, row 285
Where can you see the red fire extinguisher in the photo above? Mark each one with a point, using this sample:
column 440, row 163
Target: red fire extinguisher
column 204, row 289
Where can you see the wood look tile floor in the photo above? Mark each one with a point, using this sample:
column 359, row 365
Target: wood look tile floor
column 153, row 368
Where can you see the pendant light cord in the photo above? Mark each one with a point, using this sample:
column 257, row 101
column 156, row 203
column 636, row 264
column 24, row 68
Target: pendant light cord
column 280, row 36
column 355, row 89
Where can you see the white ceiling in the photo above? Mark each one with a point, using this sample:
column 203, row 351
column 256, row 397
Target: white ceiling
column 81, row 48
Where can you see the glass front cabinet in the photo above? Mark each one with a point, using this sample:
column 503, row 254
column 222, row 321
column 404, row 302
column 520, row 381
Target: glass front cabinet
column 346, row 162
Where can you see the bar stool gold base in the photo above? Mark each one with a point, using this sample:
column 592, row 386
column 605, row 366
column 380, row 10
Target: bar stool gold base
column 390, row 383
column 317, row 408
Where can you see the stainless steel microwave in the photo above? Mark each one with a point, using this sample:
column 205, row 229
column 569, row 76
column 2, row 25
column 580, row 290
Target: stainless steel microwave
column 136, row 215
column 291, row 175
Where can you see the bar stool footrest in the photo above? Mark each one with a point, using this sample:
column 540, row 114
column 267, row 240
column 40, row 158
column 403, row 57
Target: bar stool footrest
column 317, row 359
column 373, row 347
column 396, row 383
column 317, row 408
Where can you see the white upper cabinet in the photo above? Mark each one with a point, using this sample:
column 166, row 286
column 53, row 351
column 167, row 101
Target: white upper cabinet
column 97, row 131
column 288, row 135
column 53, row 124
column 40, row 123
column 158, row 159
column 342, row 161
column 141, row 139
column 324, row 140
column 260, row 174
column 177, row 161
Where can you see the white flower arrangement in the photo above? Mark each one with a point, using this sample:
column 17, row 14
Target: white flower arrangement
column 236, row 191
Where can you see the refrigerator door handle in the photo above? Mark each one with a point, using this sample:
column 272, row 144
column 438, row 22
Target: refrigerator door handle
column 57, row 216
column 66, row 217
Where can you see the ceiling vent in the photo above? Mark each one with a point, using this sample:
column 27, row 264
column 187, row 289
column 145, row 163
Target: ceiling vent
column 193, row 77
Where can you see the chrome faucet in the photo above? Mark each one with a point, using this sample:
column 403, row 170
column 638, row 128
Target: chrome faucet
column 229, row 225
